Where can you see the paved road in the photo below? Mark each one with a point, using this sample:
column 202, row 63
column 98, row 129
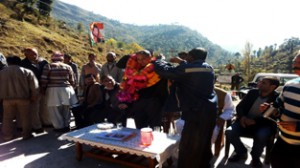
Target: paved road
column 46, row 151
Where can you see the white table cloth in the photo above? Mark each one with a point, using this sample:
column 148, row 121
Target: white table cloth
column 162, row 147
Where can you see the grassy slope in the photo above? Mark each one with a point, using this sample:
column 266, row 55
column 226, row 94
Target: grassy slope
column 16, row 35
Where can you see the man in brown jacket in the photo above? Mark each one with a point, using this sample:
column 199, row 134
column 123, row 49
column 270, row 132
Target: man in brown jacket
column 92, row 101
column 18, row 91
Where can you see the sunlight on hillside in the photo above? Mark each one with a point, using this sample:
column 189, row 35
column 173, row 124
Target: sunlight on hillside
column 16, row 35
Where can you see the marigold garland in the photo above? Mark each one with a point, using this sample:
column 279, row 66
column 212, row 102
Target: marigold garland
column 230, row 67
column 135, row 78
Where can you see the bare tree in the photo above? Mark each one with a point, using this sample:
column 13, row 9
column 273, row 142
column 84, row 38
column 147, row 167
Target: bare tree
column 247, row 58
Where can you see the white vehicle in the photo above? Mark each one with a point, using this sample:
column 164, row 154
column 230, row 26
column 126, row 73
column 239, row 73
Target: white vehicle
column 282, row 77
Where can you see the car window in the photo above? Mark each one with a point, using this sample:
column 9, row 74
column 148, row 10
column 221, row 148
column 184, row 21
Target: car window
column 285, row 79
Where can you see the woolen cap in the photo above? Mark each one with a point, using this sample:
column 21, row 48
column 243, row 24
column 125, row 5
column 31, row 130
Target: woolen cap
column 57, row 56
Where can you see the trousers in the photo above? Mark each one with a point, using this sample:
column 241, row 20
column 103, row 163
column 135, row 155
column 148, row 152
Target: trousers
column 11, row 109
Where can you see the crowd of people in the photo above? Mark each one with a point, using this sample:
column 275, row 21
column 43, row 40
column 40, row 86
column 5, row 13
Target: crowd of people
column 35, row 94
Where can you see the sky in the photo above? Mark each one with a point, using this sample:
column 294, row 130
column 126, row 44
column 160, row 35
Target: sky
column 228, row 23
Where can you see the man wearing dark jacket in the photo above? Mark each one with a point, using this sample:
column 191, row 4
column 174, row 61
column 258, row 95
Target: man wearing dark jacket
column 110, row 105
column 3, row 64
column 236, row 80
column 33, row 62
column 195, row 82
column 39, row 112
column 68, row 60
column 250, row 121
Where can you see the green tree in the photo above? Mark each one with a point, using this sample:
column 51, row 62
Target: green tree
column 45, row 7
column 80, row 27
column 259, row 52
column 289, row 45
column 23, row 8
column 120, row 44
column 133, row 47
column 111, row 43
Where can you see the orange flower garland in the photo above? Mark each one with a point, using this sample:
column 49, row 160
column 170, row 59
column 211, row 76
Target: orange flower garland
column 135, row 78
column 230, row 67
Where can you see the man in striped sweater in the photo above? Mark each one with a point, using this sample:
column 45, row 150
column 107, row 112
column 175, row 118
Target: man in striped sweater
column 57, row 82
column 286, row 151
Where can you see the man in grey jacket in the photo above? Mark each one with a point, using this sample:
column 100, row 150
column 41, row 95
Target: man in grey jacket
column 19, row 89
column 110, row 68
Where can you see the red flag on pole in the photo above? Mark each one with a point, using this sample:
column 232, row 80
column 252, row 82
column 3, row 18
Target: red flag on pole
column 96, row 33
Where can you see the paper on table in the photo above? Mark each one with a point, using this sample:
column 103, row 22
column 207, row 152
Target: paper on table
column 119, row 135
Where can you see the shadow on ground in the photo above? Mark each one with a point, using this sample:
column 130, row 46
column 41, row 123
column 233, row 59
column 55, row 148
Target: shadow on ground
column 46, row 151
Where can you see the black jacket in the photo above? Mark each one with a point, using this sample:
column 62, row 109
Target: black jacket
column 195, row 82
column 246, row 103
column 36, row 70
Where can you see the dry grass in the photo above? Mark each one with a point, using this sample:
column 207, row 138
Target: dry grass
column 16, row 35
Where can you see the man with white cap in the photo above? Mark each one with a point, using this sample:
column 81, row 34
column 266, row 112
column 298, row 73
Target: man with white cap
column 57, row 82
column 39, row 112
column 110, row 68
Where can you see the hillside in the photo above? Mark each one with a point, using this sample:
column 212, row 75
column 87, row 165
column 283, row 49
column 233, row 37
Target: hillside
column 16, row 35
column 168, row 39
column 60, row 33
